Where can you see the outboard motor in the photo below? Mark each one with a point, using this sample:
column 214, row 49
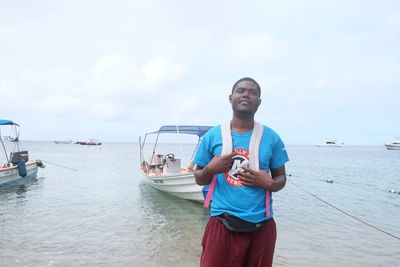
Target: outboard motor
column 22, row 168
column 39, row 163
column 17, row 156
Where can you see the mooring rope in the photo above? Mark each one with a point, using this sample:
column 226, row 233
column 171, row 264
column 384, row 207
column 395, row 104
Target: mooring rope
column 344, row 212
column 55, row 164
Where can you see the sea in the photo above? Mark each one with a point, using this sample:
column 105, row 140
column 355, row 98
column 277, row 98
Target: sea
column 91, row 207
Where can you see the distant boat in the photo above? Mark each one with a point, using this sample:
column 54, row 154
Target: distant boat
column 17, row 166
column 69, row 141
column 394, row 145
column 331, row 143
column 10, row 138
column 90, row 142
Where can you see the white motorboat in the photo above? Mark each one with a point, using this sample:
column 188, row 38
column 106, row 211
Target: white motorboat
column 164, row 172
column 8, row 138
column 331, row 143
column 17, row 166
column 394, row 145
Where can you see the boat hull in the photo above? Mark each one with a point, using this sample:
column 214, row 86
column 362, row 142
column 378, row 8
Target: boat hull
column 181, row 185
column 10, row 174
column 392, row 147
column 331, row 144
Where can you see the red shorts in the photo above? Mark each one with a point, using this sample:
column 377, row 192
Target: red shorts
column 222, row 247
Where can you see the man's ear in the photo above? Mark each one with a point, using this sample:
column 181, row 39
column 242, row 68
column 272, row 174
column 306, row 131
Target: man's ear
column 230, row 99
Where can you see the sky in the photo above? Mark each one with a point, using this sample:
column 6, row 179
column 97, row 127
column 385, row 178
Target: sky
column 113, row 70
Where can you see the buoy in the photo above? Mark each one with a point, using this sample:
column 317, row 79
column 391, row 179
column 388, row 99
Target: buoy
column 22, row 168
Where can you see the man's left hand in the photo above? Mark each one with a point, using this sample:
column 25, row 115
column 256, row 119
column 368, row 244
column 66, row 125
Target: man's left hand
column 261, row 179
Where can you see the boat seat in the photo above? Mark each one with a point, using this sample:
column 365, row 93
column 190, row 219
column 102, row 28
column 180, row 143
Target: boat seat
column 172, row 165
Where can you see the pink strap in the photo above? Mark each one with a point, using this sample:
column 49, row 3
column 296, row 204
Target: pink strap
column 210, row 192
column 267, row 200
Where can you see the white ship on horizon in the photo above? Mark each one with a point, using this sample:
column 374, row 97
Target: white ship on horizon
column 331, row 143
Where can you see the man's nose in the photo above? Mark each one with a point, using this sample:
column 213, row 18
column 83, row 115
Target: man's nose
column 246, row 93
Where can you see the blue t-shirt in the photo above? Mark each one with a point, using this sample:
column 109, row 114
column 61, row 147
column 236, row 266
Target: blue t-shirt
column 245, row 202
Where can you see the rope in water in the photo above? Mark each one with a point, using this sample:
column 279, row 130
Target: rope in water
column 344, row 212
column 55, row 164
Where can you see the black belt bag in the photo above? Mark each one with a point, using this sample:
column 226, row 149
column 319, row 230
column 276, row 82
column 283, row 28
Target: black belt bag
column 238, row 225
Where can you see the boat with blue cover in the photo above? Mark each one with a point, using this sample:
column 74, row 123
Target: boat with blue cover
column 164, row 171
column 15, row 166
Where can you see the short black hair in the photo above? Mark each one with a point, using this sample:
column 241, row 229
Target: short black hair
column 249, row 80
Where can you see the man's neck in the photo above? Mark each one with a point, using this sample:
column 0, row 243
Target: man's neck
column 241, row 124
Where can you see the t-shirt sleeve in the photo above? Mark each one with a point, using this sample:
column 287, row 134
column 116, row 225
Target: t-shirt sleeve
column 279, row 154
column 203, row 155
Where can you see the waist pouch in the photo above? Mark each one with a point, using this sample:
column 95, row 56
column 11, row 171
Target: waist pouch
column 238, row 225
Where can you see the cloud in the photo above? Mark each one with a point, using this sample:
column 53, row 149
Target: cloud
column 160, row 70
column 321, row 83
column 393, row 20
column 11, row 30
column 59, row 104
column 253, row 50
column 141, row 66
column 107, row 63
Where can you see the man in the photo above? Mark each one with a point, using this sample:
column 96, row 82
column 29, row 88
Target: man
column 241, row 230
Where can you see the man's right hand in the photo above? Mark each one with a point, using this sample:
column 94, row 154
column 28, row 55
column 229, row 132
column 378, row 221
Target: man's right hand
column 220, row 164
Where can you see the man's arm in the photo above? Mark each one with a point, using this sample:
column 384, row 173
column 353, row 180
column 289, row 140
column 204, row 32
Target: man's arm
column 279, row 177
column 202, row 176
column 218, row 164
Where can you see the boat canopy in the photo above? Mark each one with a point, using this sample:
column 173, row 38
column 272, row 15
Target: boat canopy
column 7, row 122
column 184, row 129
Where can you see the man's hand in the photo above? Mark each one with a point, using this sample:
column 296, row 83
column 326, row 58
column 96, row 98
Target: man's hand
column 261, row 179
column 218, row 164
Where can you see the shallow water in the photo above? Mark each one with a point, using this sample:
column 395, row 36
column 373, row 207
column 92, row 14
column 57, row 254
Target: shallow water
column 103, row 214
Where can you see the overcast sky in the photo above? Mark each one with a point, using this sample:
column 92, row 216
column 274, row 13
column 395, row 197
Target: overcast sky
column 115, row 69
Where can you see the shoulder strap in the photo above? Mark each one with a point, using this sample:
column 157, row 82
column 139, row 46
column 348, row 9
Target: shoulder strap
column 226, row 137
column 254, row 145
column 254, row 149
column 210, row 192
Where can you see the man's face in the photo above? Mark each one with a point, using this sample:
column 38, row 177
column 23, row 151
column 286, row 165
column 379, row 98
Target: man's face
column 245, row 98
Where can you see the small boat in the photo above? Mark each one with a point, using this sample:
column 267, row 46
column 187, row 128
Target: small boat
column 164, row 171
column 17, row 166
column 394, row 145
column 90, row 142
column 8, row 138
column 331, row 143
column 69, row 141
